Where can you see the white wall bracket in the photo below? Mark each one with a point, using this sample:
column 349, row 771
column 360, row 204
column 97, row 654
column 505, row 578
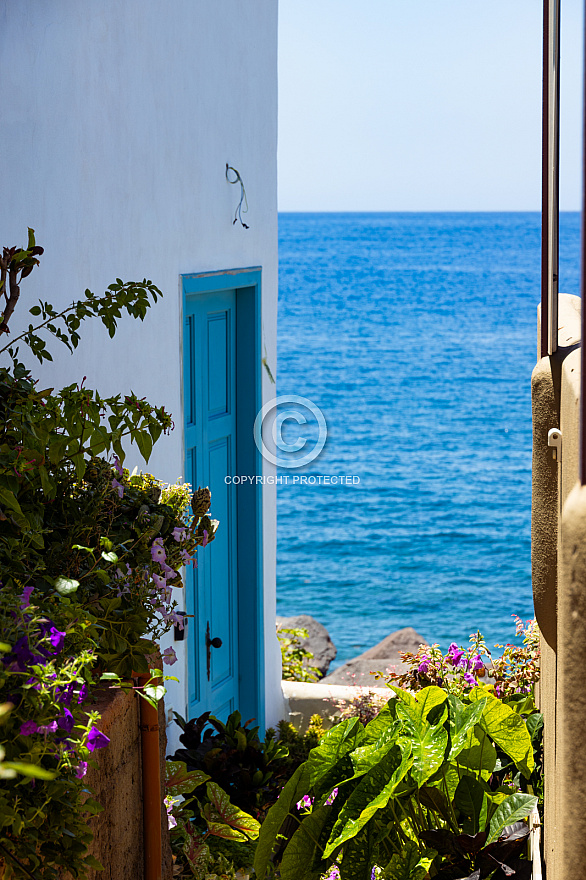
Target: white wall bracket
column 554, row 439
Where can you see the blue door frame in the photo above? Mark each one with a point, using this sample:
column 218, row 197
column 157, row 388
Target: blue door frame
column 239, row 292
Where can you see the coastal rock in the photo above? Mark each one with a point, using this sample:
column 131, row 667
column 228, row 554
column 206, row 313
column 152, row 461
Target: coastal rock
column 383, row 657
column 318, row 639
column 406, row 639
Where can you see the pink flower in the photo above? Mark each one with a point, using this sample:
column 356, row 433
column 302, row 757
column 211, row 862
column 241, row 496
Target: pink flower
column 305, row 802
column 179, row 533
column 169, row 656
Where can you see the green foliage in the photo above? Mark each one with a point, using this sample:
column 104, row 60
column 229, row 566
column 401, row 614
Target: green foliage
column 252, row 771
column 209, row 834
column 294, row 657
column 88, row 556
column 435, row 782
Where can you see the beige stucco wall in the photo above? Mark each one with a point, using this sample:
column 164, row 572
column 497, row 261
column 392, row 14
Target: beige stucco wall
column 559, row 584
column 116, row 783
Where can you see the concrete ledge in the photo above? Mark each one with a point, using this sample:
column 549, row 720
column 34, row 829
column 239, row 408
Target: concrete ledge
column 306, row 699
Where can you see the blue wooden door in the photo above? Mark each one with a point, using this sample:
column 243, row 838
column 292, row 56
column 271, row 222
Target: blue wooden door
column 210, row 444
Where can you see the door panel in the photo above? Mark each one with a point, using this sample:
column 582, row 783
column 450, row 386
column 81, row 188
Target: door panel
column 210, row 435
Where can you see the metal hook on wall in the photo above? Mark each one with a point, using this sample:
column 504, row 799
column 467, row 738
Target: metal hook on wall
column 243, row 200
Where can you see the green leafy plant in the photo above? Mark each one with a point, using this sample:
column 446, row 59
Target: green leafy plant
column 252, row 771
column 419, row 789
column 294, row 657
column 88, row 555
column 209, row 834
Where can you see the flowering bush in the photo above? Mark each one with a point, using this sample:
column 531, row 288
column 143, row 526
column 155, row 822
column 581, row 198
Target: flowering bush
column 88, row 556
column 515, row 672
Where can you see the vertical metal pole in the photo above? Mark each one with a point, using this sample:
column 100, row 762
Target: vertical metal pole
column 550, row 177
column 583, row 282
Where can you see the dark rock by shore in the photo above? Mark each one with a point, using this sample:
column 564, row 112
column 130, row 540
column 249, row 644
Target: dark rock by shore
column 383, row 657
column 318, row 639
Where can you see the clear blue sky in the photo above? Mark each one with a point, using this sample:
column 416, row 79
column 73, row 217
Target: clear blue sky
column 421, row 105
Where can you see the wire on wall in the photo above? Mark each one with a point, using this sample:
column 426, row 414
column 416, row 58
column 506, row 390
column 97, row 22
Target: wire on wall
column 243, row 203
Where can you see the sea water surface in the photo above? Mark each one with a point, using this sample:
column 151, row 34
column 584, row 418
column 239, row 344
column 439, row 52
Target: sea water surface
column 415, row 334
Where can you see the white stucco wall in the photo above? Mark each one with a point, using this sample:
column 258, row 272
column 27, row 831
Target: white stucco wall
column 118, row 118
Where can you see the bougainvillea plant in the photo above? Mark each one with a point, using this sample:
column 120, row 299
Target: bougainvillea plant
column 88, row 557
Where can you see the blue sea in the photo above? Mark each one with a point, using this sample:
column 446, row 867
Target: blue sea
column 415, row 335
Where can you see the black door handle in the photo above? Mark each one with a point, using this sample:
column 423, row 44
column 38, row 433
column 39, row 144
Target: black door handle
column 210, row 643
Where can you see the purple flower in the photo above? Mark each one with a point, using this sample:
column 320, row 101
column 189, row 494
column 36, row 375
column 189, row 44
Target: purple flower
column 424, row 665
column 169, row 573
column 81, row 769
column 455, row 654
column 468, row 677
column 118, row 467
column 66, row 721
column 160, row 582
column 28, row 727
column 205, row 538
column 332, row 797
column 477, row 663
column 119, row 488
column 179, row 533
column 82, row 693
column 48, row 728
column 305, row 802
column 56, row 639
column 96, row 739
column 158, row 551
column 25, row 598
column 185, row 556
column 169, row 656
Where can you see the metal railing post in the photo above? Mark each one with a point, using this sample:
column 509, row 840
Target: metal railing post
column 550, row 176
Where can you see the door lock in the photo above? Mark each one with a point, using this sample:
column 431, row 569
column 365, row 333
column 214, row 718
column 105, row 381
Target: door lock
column 210, row 643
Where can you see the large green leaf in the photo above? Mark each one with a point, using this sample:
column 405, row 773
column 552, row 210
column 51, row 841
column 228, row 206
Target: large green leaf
column 328, row 757
column 427, row 699
column 300, row 854
column 221, row 811
column 357, row 861
column 428, row 744
column 479, row 754
column 366, row 757
column 372, row 793
column 294, row 790
column 513, row 809
column 409, row 864
column 507, row 729
column 180, row 780
column 461, row 719
column 385, row 718
column 471, row 801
